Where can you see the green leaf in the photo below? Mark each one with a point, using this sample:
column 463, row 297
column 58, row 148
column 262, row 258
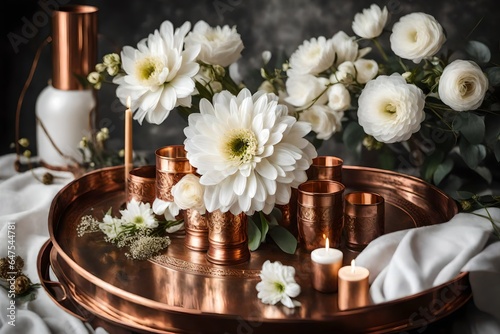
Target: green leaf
column 431, row 164
column 497, row 150
column 264, row 226
column 485, row 173
column 479, row 51
column 275, row 217
column 493, row 74
column 284, row 239
column 442, row 170
column 472, row 154
column 386, row 159
column 492, row 129
column 254, row 235
column 353, row 136
column 471, row 126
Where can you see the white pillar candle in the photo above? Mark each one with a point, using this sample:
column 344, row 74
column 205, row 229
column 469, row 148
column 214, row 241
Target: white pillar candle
column 325, row 264
column 353, row 288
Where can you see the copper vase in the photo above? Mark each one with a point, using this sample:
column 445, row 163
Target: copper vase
column 141, row 184
column 227, row 238
column 196, row 229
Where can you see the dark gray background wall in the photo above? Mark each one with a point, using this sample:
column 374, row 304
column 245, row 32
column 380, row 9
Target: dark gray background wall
column 278, row 26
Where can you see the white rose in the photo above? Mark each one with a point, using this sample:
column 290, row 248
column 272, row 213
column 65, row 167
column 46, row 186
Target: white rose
column 346, row 48
column 324, row 121
column 366, row 69
column 346, row 73
column 313, row 56
column 416, row 36
column 188, row 193
column 462, row 85
column 303, row 89
column 390, row 109
column 339, row 98
column 219, row 45
column 371, row 22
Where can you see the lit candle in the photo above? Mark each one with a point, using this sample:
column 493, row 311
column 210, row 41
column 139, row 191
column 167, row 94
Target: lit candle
column 128, row 141
column 353, row 286
column 325, row 264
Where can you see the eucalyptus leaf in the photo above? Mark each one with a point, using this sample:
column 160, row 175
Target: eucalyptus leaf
column 497, row 150
column 443, row 170
column 274, row 217
column 492, row 129
column 485, row 173
column 493, row 74
column 479, row 51
column 254, row 235
column 471, row 154
column 264, row 226
column 474, row 128
column 431, row 164
column 353, row 136
column 284, row 239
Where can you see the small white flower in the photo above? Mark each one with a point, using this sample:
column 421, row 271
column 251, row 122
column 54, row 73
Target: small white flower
column 139, row 214
column 278, row 285
column 346, row 48
column 248, row 151
column 219, row 45
column 346, row 73
column 304, row 89
column 312, row 57
column 111, row 226
column 371, row 22
column 390, row 109
column 416, row 36
column 170, row 210
column 324, row 121
column 188, row 193
column 158, row 74
column 463, row 85
column 339, row 98
column 266, row 56
column 366, row 70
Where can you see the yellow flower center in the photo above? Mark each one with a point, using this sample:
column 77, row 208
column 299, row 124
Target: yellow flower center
column 390, row 108
column 239, row 146
column 148, row 70
column 138, row 220
column 466, row 88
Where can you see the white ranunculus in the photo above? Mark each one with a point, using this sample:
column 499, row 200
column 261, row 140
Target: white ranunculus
column 324, row 121
column 158, row 74
column 417, row 36
column 248, row 151
column 339, row 98
column 188, row 193
column 346, row 73
column 312, row 57
column 390, row 109
column 345, row 47
column 366, row 70
column 218, row 45
column 371, row 22
column 463, row 85
column 303, row 89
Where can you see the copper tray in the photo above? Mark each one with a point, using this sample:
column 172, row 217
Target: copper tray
column 179, row 291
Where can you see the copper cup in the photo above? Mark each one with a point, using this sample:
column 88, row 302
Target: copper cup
column 196, row 229
column 326, row 168
column 364, row 218
column 141, row 184
column 320, row 211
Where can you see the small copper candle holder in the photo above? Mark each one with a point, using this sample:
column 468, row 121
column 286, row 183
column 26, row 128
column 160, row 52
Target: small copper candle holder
column 364, row 218
column 196, row 229
column 141, row 184
column 320, row 211
column 326, row 168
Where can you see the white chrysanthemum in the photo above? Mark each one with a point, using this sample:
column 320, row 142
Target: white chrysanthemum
column 390, row 109
column 416, row 36
column 312, row 57
column 248, row 151
column 366, row 69
column 371, row 22
column 159, row 73
column 278, row 285
column 188, row 193
column 324, row 121
column 339, row 98
column 219, row 45
column 139, row 214
column 111, row 226
column 463, row 85
column 304, row 89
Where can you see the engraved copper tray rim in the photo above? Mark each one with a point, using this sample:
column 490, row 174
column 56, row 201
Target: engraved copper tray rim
column 103, row 173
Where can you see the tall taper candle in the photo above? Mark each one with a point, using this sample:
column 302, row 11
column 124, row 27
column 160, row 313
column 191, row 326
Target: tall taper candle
column 128, row 142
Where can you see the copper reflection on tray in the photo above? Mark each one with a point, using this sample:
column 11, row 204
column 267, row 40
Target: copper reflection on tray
column 179, row 291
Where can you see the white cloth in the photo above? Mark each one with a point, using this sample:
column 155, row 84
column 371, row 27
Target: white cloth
column 25, row 204
column 410, row 261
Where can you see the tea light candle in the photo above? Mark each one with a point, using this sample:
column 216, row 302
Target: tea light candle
column 325, row 264
column 353, row 286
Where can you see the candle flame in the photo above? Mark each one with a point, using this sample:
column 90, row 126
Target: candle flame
column 353, row 266
column 327, row 244
column 128, row 102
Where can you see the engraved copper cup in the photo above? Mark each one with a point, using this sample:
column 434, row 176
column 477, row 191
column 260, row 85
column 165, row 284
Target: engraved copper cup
column 364, row 218
column 141, row 184
column 326, row 168
column 320, row 211
column 227, row 238
column 196, row 228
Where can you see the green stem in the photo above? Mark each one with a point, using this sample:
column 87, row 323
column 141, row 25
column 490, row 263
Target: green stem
column 380, row 49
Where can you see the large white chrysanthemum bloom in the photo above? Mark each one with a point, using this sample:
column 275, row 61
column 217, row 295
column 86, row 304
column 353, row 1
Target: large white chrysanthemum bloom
column 158, row 74
column 219, row 45
column 463, row 85
column 390, row 109
column 278, row 285
column 312, row 57
column 248, row 151
column 417, row 36
column 371, row 22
